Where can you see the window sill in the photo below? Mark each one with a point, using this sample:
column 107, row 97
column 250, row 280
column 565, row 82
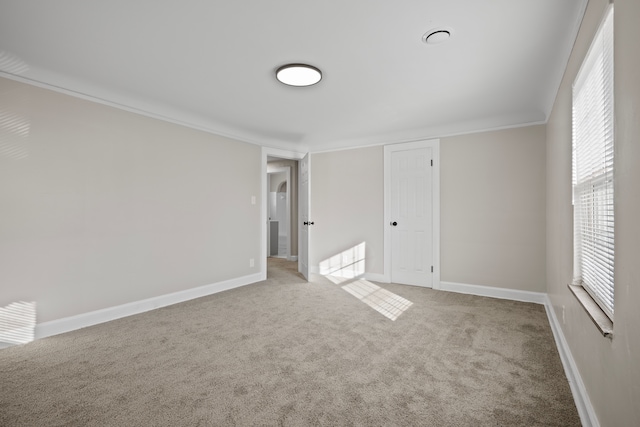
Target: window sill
column 599, row 318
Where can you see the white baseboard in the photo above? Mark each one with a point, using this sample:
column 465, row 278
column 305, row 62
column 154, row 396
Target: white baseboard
column 581, row 398
column 293, row 258
column 374, row 277
column 493, row 292
column 71, row 323
column 586, row 412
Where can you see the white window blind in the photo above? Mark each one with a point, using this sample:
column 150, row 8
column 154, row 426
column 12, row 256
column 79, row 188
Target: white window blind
column 593, row 140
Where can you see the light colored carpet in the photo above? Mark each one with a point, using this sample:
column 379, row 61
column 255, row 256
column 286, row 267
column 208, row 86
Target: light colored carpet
column 290, row 353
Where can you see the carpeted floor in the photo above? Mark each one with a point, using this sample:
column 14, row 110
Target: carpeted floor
column 284, row 352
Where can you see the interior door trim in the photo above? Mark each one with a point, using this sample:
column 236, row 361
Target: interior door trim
column 266, row 152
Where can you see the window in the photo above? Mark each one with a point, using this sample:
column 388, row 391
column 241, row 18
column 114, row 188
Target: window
column 593, row 181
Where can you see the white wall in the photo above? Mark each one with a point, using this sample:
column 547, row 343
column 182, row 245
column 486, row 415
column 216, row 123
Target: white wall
column 610, row 369
column 101, row 207
column 492, row 188
column 275, row 180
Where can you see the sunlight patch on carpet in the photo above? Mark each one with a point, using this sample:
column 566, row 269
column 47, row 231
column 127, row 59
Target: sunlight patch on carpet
column 347, row 267
column 381, row 300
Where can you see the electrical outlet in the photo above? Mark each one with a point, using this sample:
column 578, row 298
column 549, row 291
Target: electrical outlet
column 252, row 262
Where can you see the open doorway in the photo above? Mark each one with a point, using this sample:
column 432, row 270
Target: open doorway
column 279, row 210
column 280, row 207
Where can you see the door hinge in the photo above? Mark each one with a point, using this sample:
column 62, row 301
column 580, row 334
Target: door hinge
column 431, row 162
column 432, row 268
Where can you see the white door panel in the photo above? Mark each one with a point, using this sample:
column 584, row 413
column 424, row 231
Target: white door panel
column 410, row 214
column 303, row 216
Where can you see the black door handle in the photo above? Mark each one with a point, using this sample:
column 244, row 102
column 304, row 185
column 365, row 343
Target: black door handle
column 394, row 223
column 308, row 223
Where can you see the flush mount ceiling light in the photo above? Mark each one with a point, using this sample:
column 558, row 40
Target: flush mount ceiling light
column 298, row 75
column 437, row 35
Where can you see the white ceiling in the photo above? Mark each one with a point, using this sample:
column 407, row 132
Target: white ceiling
column 211, row 64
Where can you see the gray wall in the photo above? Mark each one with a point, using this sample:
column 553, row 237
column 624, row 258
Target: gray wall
column 493, row 209
column 347, row 205
column 610, row 369
column 101, row 207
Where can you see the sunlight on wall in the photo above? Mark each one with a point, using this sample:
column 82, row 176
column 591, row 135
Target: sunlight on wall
column 348, row 263
column 10, row 63
column 347, row 269
column 18, row 322
column 14, row 135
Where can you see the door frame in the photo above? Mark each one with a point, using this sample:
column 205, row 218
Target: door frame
column 264, row 212
column 434, row 144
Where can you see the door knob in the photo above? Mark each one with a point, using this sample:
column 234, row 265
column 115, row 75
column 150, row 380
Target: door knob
column 394, row 223
column 308, row 223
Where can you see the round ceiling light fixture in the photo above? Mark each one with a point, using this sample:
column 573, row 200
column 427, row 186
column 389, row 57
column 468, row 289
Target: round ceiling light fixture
column 436, row 36
column 298, row 75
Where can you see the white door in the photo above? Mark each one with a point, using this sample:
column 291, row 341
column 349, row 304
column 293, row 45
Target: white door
column 268, row 198
column 303, row 215
column 410, row 213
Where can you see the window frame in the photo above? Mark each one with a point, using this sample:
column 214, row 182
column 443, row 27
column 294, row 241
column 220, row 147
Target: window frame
column 593, row 191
